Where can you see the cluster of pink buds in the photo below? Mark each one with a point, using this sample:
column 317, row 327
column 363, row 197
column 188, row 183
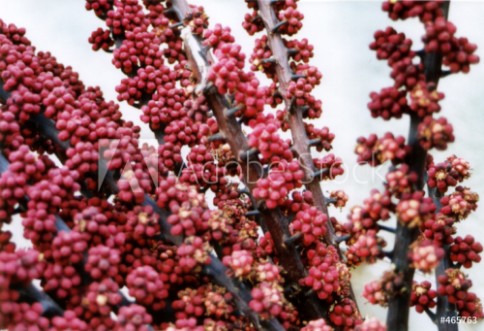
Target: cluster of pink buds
column 423, row 297
column 145, row 285
column 102, row 261
column 424, row 99
column 435, row 133
column 376, row 151
column 69, row 247
column 69, row 321
column 240, row 262
column 325, row 279
column 388, row 103
column 192, row 254
column 448, row 173
column 460, row 203
column 424, row 10
column 101, row 297
column 270, row 145
column 252, row 23
column 344, row 314
column 330, row 166
column 439, row 228
column 391, row 45
column 382, row 290
column 267, row 299
column 317, row 325
column 458, row 53
column 455, row 285
column 425, row 255
column 311, row 223
column 133, row 317
column 291, row 17
column 465, row 251
column 281, row 179
column 367, row 247
column 414, row 209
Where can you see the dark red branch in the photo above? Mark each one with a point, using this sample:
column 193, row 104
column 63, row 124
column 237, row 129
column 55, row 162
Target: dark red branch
column 272, row 219
column 398, row 307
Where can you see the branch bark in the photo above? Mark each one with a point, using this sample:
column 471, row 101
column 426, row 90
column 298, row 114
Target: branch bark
column 272, row 219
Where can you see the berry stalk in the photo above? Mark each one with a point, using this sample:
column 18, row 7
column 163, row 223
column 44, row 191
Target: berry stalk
column 272, row 219
column 398, row 307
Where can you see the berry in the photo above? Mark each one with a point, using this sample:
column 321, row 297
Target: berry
column 422, row 296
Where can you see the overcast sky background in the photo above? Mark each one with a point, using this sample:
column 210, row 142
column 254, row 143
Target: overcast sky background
column 341, row 32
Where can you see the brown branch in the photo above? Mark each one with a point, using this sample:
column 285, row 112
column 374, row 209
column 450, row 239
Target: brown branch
column 398, row 307
column 272, row 219
column 301, row 143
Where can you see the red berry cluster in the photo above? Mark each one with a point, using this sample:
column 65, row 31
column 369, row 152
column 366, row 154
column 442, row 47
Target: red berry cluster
column 69, row 247
column 267, row 300
column 391, row 45
column 145, row 285
column 311, row 223
column 317, row 325
column 376, row 151
column 69, row 321
column 271, row 146
column 133, row 317
column 414, row 209
column 400, row 180
column 300, row 50
column 435, row 133
column 424, row 10
column 101, row 298
column 62, row 281
column 189, row 217
column 389, row 103
column 364, row 218
column 101, row 39
column 439, row 228
column 371, row 324
column 448, row 173
column 326, row 280
column 261, row 58
column 458, row 53
column 423, row 297
column 366, row 248
column 291, row 16
column 425, row 255
column 345, row 315
column 330, row 166
column 228, row 76
column 466, row 251
column 455, row 286
column 252, row 23
column 102, row 262
column 320, row 137
column 338, row 198
column 424, row 99
column 281, row 179
column 460, row 203
column 192, row 254
column 382, row 290
column 142, row 223
column 100, row 7
column 240, row 262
